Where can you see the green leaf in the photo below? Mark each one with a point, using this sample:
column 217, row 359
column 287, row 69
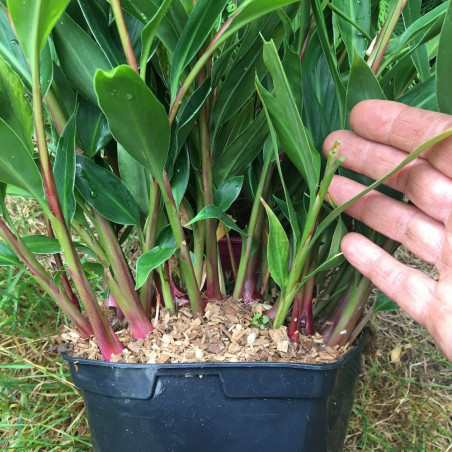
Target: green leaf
column 360, row 13
column 422, row 95
column 278, row 250
column 46, row 71
column 14, row 107
column 17, row 166
column 103, row 191
column 215, row 212
column 11, row 51
column 444, row 66
column 287, row 122
column 144, row 11
column 239, row 154
column 79, row 56
column 228, row 192
column 42, row 244
column 33, row 22
column 135, row 178
column 98, row 23
column 384, row 303
column 200, row 24
column 362, row 83
column 64, row 169
column 137, row 120
column 150, row 30
column 7, row 257
column 181, row 174
column 150, row 261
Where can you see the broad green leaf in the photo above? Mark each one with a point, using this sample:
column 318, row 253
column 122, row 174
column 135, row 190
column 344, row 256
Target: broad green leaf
column 444, row 66
column 135, row 178
column 411, row 12
column 14, row 107
column 79, row 56
column 278, row 250
column 46, row 71
column 150, row 30
column 11, row 51
column 42, row 244
column 144, row 11
column 192, row 107
column 199, row 25
column 17, row 166
column 362, row 83
column 33, row 22
column 215, row 212
column 103, row 191
column 384, row 303
column 422, row 95
column 64, row 169
column 239, row 154
column 228, row 192
column 360, row 13
column 181, row 174
column 150, row 261
column 165, row 237
column 287, row 121
column 137, row 120
column 7, row 257
column 98, row 23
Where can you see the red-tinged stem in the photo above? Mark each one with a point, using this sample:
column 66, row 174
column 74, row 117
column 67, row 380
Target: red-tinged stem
column 127, row 298
column 40, row 275
column 231, row 253
column 185, row 263
column 306, row 308
column 151, row 233
column 124, row 34
column 295, row 320
column 107, row 340
column 250, row 292
column 213, row 281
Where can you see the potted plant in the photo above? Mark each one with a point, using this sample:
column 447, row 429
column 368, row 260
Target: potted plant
column 166, row 126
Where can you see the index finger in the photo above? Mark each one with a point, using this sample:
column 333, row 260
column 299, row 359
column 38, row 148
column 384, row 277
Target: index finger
column 405, row 128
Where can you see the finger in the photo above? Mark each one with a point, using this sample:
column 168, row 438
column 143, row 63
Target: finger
column 409, row 288
column 401, row 222
column 404, row 128
column 426, row 187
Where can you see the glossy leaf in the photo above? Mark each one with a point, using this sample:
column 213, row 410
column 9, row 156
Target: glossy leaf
column 278, row 249
column 384, row 303
column 360, row 13
column 46, row 71
column 64, row 169
column 103, row 191
column 181, row 174
column 144, row 11
column 98, row 23
column 137, row 120
column 422, row 95
column 150, row 30
column 200, row 24
column 79, row 56
column 11, row 51
column 287, row 121
column 444, row 66
column 150, row 261
column 14, row 107
column 135, row 178
column 7, row 257
column 17, row 166
column 239, row 154
column 362, row 83
column 33, row 22
column 228, row 192
column 165, row 237
column 215, row 212
column 42, row 244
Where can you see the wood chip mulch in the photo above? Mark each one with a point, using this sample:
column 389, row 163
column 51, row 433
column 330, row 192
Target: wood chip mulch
column 225, row 334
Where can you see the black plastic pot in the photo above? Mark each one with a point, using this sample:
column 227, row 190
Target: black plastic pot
column 210, row 407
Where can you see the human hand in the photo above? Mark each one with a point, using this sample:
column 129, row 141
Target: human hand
column 384, row 133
